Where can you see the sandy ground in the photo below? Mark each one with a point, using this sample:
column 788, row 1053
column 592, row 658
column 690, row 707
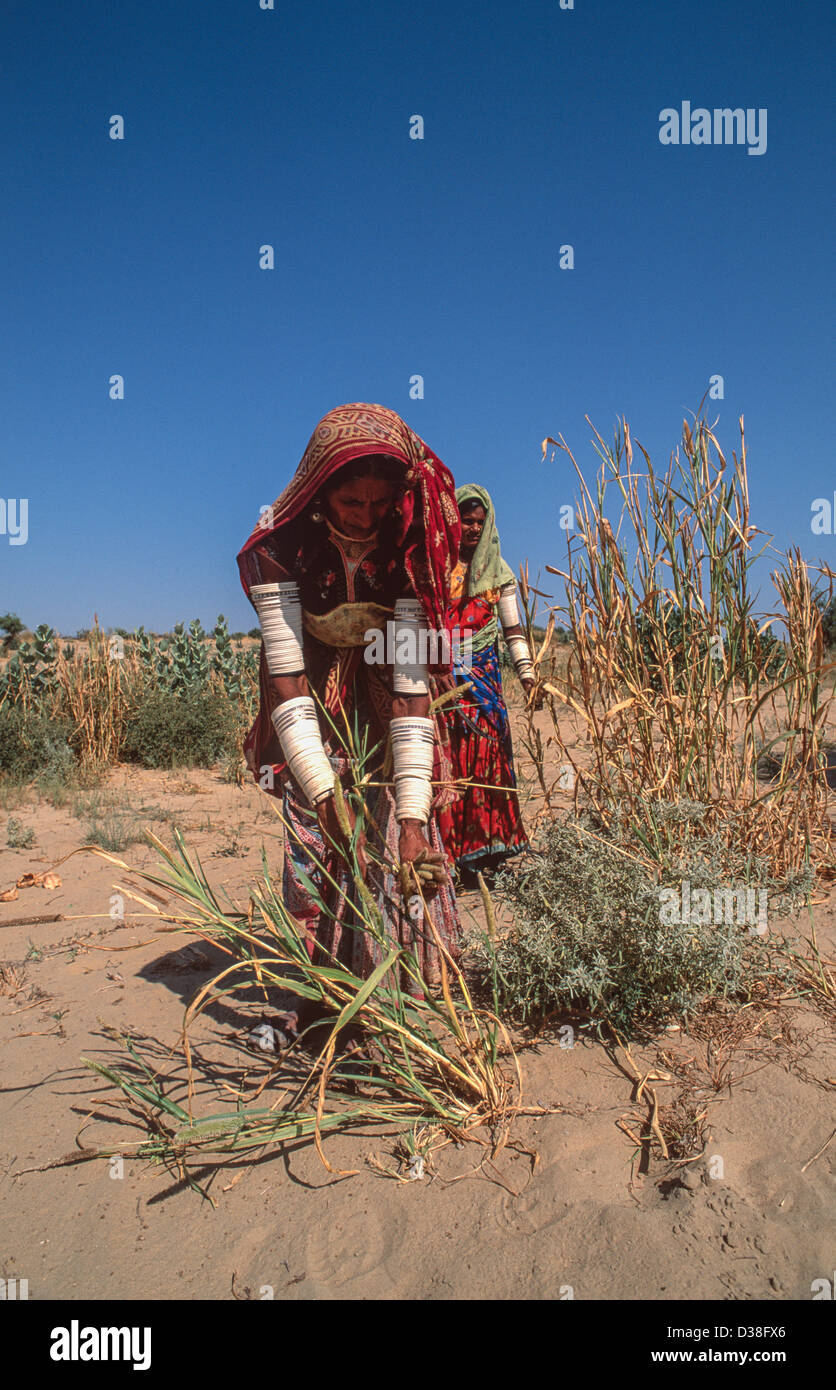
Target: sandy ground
column 750, row 1218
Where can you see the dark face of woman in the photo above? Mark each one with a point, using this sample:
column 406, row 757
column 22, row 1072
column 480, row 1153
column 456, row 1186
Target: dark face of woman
column 473, row 516
column 357, row 508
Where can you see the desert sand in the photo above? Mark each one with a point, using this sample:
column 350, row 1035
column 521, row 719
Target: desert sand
column 568, row 1213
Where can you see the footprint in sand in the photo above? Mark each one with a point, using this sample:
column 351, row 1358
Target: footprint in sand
column 532, row 1211
column 351, row 1245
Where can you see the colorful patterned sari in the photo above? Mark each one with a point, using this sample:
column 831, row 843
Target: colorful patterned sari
column 347, row 587
column 485, row 825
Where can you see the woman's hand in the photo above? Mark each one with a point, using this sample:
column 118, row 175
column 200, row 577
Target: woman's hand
column 529, row 684
column 415, row 850
column 445, row 682
column 334, row 834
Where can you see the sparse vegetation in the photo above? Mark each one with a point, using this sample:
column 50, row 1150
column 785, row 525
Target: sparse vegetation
column 18, row 835
column 183, row 700
column 112, row 822
column 33, row 744
column 679, row 686
column 705, row 752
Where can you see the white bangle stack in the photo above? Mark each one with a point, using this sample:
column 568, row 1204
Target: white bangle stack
column 279, row 611
column 297, row 727
column 409, row 627
column 521, row 657
column 507, row 606
column 413, row 742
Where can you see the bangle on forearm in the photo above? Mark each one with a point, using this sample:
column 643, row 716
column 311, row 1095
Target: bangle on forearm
column 521, row 657
column 297, row 728
column 413, row 743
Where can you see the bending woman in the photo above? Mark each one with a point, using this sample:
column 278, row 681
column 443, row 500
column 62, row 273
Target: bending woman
column 485, row 826
column 366, row 533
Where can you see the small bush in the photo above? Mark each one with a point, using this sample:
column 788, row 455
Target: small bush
column 30, row 678
column 234, row 768
column 113, row 823
column 182, row 730
column 18, row 835
column 56, row 791
column 587, row 933
column 114, row 832
column 33, row 745
column 11, row 625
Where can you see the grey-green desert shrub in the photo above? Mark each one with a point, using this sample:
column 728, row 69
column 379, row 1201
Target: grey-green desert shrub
column 588, row 934
column 18, row 835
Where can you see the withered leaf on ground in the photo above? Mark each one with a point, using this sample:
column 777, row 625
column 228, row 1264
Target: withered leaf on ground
column 47, row 879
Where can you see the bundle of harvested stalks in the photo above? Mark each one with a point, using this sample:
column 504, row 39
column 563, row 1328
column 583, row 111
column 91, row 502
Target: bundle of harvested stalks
column 440, row 1062
column 417, row 877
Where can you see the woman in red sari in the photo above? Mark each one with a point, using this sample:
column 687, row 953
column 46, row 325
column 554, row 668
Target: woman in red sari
column 368, row 522
column 484, row 827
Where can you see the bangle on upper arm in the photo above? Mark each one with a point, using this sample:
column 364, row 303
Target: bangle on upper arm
column 507, row 606
column 409, row 626
column 279, row 611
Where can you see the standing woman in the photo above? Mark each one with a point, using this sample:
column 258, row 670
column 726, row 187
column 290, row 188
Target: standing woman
column 365, row 533
column 484, row 827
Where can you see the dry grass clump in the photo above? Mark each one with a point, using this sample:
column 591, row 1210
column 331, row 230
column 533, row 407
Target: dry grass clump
column 680, row 686
column 98, row 694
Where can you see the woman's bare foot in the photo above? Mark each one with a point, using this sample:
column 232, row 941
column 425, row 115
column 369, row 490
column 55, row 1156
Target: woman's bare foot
column 287, row 1024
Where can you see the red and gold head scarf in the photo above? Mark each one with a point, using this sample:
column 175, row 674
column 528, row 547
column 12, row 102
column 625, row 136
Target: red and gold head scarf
column 347, row 433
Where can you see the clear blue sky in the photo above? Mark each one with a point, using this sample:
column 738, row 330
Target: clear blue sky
column 393, row 257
